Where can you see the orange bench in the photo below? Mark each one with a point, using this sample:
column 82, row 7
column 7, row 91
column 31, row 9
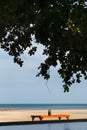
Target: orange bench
column 41, row 117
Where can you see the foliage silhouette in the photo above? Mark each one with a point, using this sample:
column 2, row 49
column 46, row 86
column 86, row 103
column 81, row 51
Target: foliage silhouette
column 59, row 25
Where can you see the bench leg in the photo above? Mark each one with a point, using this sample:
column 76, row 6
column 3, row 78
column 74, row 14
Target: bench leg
column 33, row 118
column 67, row 118
column 59, row 118
column 40, row 118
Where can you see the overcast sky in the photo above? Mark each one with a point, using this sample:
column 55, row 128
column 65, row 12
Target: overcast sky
column 20, row 85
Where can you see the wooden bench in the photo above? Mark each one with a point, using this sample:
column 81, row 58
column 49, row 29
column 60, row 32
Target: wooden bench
column 41, row 117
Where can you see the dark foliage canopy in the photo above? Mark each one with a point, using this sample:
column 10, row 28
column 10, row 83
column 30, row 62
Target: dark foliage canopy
column 59, row 25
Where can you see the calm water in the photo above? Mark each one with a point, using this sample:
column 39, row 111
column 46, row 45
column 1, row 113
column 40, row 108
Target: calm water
column 45, row 106
column 56, row 126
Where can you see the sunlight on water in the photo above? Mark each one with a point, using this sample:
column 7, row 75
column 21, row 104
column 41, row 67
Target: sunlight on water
column 56, row 126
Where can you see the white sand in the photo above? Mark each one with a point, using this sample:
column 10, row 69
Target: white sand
column 25, row 115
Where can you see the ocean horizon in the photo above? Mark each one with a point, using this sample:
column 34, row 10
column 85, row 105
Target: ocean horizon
column 44, row 106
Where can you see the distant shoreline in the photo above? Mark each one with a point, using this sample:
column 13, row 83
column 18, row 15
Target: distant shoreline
column 7, row 109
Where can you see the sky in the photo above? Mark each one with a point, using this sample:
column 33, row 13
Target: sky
column 20, row 84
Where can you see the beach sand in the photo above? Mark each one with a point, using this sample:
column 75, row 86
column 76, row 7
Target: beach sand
column 13, row 115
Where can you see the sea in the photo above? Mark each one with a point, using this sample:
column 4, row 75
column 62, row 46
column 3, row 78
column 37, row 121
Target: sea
column 44, row 106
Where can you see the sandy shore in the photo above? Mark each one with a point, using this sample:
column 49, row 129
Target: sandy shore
column 25, row 115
